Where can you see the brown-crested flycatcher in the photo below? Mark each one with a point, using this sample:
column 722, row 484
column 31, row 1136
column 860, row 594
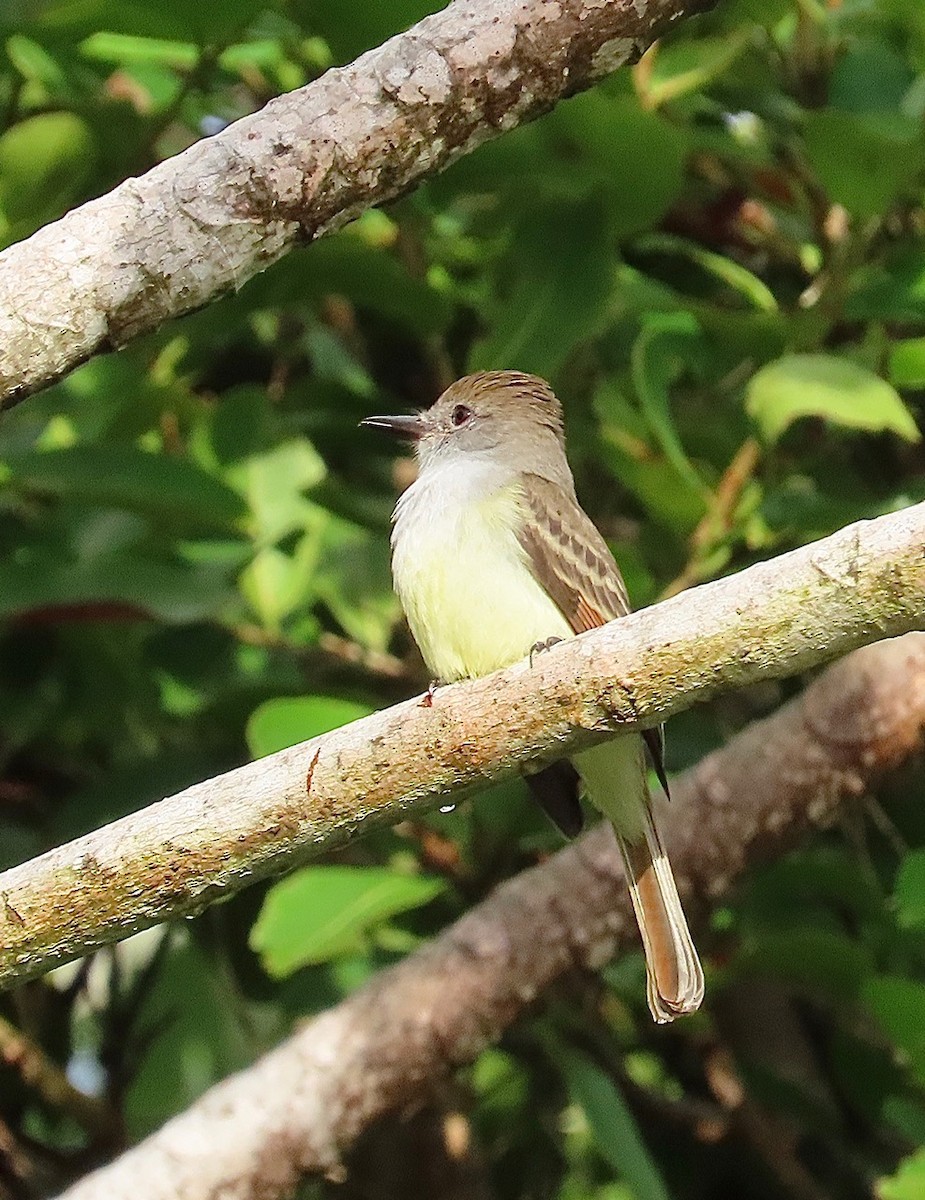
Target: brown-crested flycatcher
column 492, row 557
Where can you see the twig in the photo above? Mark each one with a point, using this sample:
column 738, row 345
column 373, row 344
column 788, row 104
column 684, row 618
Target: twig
column 50, row 1083
column 329, row 645
column 716, row 522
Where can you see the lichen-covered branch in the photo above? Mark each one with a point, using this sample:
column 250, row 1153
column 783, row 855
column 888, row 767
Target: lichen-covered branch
column 298, row 1110
column 181, row 854
column 205, row 221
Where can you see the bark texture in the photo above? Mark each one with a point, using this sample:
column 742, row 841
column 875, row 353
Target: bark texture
column 207, row 220
column 183, row 853
column 298, row 1110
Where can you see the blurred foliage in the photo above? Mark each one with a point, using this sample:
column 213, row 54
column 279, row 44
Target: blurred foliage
column 718, row 258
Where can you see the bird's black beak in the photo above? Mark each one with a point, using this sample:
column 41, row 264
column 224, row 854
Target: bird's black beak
column 403, row 427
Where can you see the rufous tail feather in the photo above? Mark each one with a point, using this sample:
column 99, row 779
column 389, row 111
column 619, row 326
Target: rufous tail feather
column 673, row 970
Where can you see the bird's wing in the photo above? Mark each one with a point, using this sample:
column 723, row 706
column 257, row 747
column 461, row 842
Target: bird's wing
column 574, row 565
column 569, row 557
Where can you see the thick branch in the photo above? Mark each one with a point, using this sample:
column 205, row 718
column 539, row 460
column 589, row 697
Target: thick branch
column 382, row 1050
column 183, row 853
column 312, row 160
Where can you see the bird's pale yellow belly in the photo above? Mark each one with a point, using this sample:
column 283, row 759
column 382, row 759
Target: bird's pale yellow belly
column 474, row 606
column 468, row 592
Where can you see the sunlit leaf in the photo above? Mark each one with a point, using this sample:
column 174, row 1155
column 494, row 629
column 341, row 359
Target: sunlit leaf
column 130, row 50
column 833, row 389
column 354, row 580
column 45, row 163
column 320, row 913
column 274, row 482
column 277, row 724
column 272, row 584
column 35, row 63
column 908, row 1183
column 688, row 66
column 907, row 363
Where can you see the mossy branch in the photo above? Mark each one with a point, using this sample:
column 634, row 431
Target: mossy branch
column 205, row 221
column 305, row 1105
column 183, row 853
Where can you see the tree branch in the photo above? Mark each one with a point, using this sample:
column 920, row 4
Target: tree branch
column 382, row 1050
column 207, row 220
column 181, row 854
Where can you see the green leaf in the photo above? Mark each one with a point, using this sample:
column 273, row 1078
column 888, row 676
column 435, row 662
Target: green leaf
column 34, row 63
column 613, row 1126
column 273, row 483
column 320, row 913
column 371, row 277
column 353, row 579
column 899, row 1005
column 276, row 724
column 174, row 20
column 273, row 585
column 834, row 389
column 45, row 163
column 557, row 298
column 661, row 354
column 636, row 158
column 729, row 272
column 688, row 66
column 907, row 363
column 822, row 960
column 172, row 490
column 869, row 77
column 894, row 291
column 351, row 29
column 129, row 51
column 346, row 264
column 908, row 1183
column 104, row 585
column 194, row 1035
column 864, row 161
column 811, row 882
column 909, row 893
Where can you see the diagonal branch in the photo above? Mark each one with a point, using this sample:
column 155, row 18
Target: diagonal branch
column 181, row 854
column 207, row 220
column 298, row 1110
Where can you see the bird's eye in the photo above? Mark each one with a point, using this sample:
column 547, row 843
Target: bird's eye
column 460, row 415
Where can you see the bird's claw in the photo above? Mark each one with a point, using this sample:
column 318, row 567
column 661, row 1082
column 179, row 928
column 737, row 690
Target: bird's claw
column 542, row 647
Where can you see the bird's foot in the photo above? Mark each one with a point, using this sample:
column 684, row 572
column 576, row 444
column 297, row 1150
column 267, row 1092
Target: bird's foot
column 427, row 700
column 542, row 647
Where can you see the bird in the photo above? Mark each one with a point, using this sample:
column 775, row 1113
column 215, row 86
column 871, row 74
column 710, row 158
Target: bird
column 493, row 559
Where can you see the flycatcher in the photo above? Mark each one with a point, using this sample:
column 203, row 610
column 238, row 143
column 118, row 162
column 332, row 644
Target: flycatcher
column 493, row 558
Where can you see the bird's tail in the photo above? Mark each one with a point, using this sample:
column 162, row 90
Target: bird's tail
column 674, row 974
column 615, row 780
